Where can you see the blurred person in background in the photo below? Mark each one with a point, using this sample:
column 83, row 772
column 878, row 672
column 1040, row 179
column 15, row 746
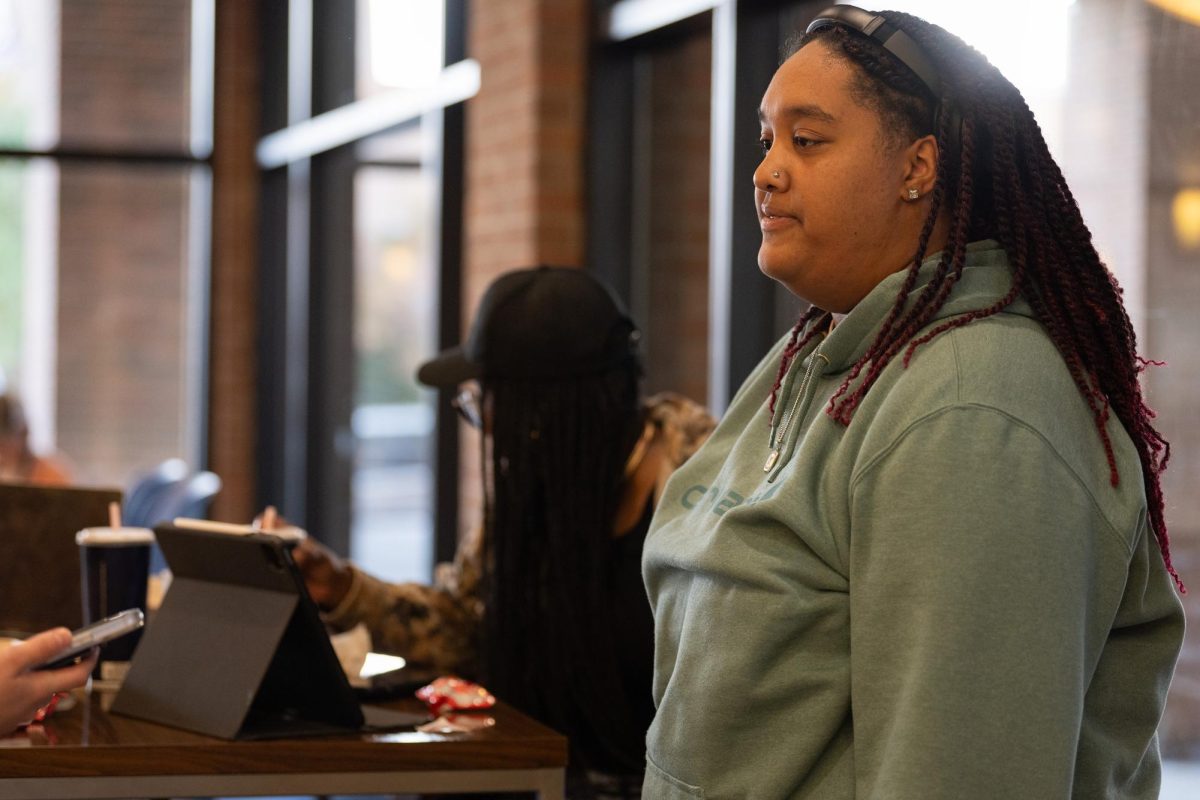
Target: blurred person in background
column 18, row 462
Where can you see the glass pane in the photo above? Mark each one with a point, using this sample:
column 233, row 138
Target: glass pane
column 395, row 324
column 400, row 44
column 29, row 62
column 100, row 329
column 27, row 205
column 409, row 144
column 400, row 48
column 124, row 68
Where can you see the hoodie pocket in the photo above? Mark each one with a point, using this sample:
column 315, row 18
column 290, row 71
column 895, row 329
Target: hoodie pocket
column 665, row 786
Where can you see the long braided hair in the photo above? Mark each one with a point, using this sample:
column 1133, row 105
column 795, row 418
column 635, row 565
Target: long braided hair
column 996, row 179
column 558, row 451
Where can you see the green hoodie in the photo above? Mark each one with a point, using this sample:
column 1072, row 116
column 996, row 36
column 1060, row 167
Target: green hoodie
column 946, row 598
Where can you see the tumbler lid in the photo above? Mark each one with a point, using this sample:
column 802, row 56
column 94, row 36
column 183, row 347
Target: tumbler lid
column 114, row 537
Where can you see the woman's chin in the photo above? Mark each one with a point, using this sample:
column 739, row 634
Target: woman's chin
column 790, row 276
column 775, row 268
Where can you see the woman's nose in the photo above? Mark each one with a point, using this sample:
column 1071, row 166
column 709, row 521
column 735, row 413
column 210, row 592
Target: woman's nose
column 768, row 177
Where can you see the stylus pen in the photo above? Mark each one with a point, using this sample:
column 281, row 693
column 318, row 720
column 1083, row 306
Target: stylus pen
column 213, row 527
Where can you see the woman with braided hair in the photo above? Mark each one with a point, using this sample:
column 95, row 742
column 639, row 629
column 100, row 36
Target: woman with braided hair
column 545, row 601
column 924, row 554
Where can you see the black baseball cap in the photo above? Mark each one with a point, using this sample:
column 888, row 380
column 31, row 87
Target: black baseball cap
column 543, row 323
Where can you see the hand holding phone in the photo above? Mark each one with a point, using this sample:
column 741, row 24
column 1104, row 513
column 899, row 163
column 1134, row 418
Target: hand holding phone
column 23, row 690
column 84, row 640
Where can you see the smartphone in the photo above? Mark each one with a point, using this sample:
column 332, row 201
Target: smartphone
column 94, row 635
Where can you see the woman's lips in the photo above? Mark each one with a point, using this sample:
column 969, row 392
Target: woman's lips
column 776, row 222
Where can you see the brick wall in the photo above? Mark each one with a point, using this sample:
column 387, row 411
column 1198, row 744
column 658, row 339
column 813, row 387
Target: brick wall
column 675, row 318
column 121, row 371
column 524, row 199
column 123, row 233
column 524, row 202
column 233, row 340
column 125, row 73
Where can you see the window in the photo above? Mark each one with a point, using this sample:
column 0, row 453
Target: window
column 395, row 321
column 104, row 128
column 367, row 280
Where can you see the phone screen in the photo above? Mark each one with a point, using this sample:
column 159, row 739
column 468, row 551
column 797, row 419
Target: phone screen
column 94, row 635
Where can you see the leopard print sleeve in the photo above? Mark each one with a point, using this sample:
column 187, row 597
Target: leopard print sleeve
column 431, row 626
column 681, row 427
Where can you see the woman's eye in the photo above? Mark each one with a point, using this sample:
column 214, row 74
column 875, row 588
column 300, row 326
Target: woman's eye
column 803, row 142
column 764, row 145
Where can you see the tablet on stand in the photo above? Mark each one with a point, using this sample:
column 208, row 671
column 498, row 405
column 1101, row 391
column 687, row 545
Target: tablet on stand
column 238, row 649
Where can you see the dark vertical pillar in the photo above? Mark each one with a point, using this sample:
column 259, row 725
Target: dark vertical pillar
column 284, row 255
column 450, row 259
column 610, row 160
column 332, row 379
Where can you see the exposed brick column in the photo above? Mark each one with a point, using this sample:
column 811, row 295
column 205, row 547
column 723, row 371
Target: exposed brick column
column 525, row 199
column 233, row 358
column 525, row 138
column 674, row 313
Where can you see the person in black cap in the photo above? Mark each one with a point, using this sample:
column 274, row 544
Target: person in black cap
column 546, row 604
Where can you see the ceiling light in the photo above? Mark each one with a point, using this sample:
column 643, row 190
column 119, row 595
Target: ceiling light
column 1188, row 10
column 1185, row 214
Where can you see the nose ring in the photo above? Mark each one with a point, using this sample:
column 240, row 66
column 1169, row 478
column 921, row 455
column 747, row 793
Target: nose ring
column 775, row 174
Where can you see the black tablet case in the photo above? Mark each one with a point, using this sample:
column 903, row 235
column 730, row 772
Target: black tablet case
column 238, row 650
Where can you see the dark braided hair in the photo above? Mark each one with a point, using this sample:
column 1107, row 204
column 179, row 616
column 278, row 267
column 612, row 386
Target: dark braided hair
column 995, row 179
column 558, row 452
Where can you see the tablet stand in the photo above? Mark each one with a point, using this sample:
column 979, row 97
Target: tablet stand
column 237, row 649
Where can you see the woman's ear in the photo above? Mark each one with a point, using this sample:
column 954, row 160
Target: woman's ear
column 920, row 166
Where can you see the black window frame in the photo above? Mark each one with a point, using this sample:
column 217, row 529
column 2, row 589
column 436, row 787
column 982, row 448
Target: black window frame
column 307, row 379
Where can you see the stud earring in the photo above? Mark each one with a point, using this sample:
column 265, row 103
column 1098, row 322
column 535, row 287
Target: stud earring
column 913, row 194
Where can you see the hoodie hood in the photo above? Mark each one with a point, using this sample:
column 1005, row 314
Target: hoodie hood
column 985, row 279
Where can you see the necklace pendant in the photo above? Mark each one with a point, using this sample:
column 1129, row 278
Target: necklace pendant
column 771, row 459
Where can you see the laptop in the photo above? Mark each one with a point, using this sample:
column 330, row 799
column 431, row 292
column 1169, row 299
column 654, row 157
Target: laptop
column 238, row 650
column 39, row 560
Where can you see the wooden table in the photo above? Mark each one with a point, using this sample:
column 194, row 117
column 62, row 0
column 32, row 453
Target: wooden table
column 88, row 753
